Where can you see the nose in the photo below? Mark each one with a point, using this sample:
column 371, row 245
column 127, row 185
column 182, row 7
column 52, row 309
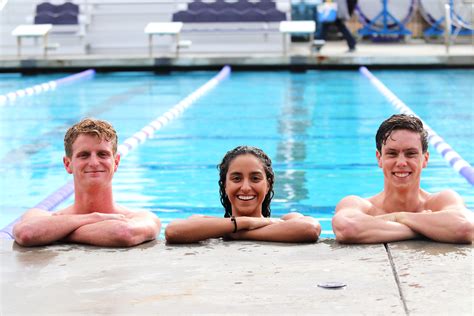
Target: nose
column 401, row 161
column 93, row 160
column 246, row 185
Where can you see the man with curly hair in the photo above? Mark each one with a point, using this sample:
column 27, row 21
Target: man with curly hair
column 94, row 218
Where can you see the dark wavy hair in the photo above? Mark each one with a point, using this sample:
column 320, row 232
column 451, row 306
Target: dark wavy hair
column 224, row 168
column 401, row 122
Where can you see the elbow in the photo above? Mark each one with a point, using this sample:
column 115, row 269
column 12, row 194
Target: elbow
column 172, row 234
column 465, row 232
column 178, row 233
column 127, row 236
column 311, row 232
column 24, row 235
column 344, row 228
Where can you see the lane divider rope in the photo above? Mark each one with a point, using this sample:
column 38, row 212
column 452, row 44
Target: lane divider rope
column 43, row 87
column 130, row 143
column 455, row 160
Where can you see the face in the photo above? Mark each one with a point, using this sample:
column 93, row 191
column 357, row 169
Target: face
column 402, row 158
column 92, row 161
column 246, row 185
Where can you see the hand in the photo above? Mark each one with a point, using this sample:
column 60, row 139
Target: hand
column 108, row 216
column 255, row 222
column 389, row 217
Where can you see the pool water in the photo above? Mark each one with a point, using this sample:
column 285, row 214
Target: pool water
column 318, row 127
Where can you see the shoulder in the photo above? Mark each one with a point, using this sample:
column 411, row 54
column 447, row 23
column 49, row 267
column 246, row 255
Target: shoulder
column 443, row 200
column 354, row 202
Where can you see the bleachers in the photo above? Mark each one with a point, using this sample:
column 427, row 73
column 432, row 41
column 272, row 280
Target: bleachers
column 116, row 26
column 61, row 14
column 223, row 11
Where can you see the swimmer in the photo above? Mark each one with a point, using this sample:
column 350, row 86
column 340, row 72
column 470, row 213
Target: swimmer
column 403, row 210
column 94, row 218
column 246, row 190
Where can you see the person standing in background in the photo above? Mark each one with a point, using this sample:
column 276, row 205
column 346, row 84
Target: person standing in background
column 344, row 11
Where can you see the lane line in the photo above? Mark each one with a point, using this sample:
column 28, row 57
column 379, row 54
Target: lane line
column 9, row 98
column 130, row 143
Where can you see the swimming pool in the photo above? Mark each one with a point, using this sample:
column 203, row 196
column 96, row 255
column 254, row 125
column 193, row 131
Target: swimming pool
column 318, row 127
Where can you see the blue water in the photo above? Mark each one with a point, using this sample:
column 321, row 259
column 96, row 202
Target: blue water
column 318, row 127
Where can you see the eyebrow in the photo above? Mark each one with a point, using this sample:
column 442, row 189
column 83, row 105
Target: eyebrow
column 252, row 172
column 407, row 149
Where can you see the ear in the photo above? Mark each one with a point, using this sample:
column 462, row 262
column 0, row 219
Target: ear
column 116, row 161
column 426, row 157
column 379, row 158
column 67, row 164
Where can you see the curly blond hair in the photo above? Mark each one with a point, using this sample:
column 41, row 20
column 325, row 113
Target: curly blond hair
column 102, row 129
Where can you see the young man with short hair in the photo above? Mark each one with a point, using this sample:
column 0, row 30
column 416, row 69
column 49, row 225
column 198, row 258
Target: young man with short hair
column 94, row 218
column 403, row 210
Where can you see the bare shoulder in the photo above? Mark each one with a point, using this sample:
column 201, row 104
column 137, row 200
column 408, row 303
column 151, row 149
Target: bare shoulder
column 445, row 199
column 354, row 202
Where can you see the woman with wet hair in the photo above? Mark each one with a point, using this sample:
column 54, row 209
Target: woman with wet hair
column 246, row 181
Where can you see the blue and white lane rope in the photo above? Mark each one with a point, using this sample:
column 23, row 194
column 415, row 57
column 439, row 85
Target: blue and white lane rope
column 447, row 152
column 61, row 194
column 43, row 87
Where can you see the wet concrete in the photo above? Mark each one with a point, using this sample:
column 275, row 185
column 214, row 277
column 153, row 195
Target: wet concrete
column 239, row 278
column 435, row 278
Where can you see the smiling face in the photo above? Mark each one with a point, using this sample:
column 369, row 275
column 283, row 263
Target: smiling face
column 246, row 185
column 92, row 161
column 402, row 158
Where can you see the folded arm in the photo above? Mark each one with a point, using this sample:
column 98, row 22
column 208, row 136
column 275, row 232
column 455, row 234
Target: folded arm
column 449, row 221
column 198, row 228
column 38, row 227
column 293, row 227
column 134, row 229
column 352, row 224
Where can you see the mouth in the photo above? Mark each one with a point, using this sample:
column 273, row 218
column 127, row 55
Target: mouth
column 94, row 171
column 401, row 174
column 246, row 197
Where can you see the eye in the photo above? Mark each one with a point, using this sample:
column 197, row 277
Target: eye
column 257, row 178
column 235, row 178
column 104, row 154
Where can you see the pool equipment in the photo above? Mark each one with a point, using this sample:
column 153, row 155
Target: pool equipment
column 384, row 18
column 43, row 87
column 461, row 14
column 447, row 152
column 61, row 194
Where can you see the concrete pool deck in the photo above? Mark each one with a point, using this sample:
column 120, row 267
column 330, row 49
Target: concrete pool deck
column 238, row 278
column 415, row 53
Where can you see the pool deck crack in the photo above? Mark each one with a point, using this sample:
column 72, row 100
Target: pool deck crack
column 397, row 279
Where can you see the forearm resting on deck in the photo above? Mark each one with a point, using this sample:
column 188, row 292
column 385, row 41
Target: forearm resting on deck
column 357, row 227
column 295, row 229
column 42, row 228
column 198, row 228
column 452, row 226
column 116, row 233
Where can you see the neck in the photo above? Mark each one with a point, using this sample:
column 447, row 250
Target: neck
column 94, row 199
column 404, row 199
